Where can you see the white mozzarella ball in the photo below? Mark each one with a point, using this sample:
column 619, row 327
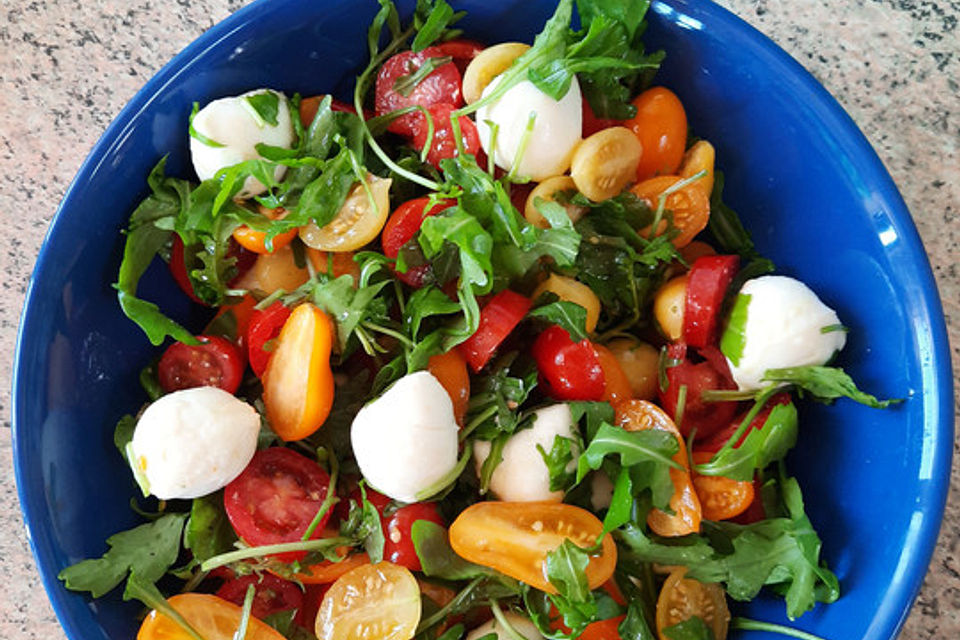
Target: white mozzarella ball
column 406, row 440
column 193, row 442
column 778, row 322
column 235, row 124
column 521, row 625
column 601, row 491
column 522, row 475
column 555, row 134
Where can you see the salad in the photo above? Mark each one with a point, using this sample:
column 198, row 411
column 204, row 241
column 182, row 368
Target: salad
column 489, row 358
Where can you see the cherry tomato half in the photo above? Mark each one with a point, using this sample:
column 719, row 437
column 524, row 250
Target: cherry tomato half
column 592, row 124
column 181, row 261
column 214, row 618
column 215, row 362
column 721, row 498
column 608, row 629
column 256, row 241
column 264, row 327
column 705, row 417
column 502, row 313
column 461, row 50
column 398, row 543
column 515, row 537
column 444, row 143
column 707, row 284
column 402, row 227
column 442, row 85
column 568, row 370
column 690, row 206
column 272, row 594
column 682, row 598
column 719, row 438
column 276, row 498
column 372, row 601
column 661, row 127
column 640, row 415
column 450, row 370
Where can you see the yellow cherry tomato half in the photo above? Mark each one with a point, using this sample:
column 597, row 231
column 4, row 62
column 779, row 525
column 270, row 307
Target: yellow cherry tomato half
column 682, row 598
column 547, row 190
column 515, row 537
column 700, row 157
column 379, row 601
column 640, row 415
column 487, row 65
column 274, row 271
column 605, row 163
column 570, row 290
column 213, row 617
column 358, row 221
column 298, row 382
column 640, row 363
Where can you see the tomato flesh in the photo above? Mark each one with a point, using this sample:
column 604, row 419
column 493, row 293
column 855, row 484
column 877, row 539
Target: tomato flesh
column 515, row 537
column 443, row 145
column 461, row 50
column 721, row 498
column 373, row 601
column 705, row 417
column 276, row 498
column 215, row 362
column 441, row 86
column 213, row 617
column 398, row 543
column 707, row 284
column 568, row 370
column 500, row 316
column 265, row 326
column 682, row 598
column 272, row 594
column 719, row 438
column 450, row 370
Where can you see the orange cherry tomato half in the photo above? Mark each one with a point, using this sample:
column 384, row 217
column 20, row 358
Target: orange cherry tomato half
column 721, row 498
column 298, row 382
column 232, row 320
column 515, row 537
column 690, row 206
column 608, row 629
column 327, row 571
column 373, row 601
column 213, row 617
column 640, row 415
column 256, row 241
column 682, row 598
column 450, row 369
column 661, row 127
column 616, row 385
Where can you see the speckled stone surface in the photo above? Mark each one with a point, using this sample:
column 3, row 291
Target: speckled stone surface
column 67, row 67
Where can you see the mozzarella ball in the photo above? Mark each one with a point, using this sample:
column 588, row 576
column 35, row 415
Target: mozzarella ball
column 555, row 134
column 778, row 322
column 522, row 625
column 193, row 442
column 235, row 124
column 601, row 491
column 406, row 440
column 522, row 475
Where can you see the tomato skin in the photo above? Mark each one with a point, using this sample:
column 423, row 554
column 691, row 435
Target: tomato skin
column 275, row 499
column 568, row 370
column 213, row 617
column 444, row 143
column 461, row 50
column 178, row 268
column 398, row 544
column 216, row 362
column 265, row 325
column 450, row 369
column 592, row 124
column 690, row 206
column 309, row 107
column 707, row 284
column 721, row 498
column 327, row 571
column 719, row 438
column 754, row 511
column 273, row 594
column 442, row 85
column 616, row 385
column 608, row 629
column 661, row 127
column 307, row 614
column 499, row 316
column 705, row 417
column 402, row 227
column 515, row 537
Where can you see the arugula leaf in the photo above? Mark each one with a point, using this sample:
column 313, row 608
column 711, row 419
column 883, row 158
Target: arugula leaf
column 123, row 433
column 826, row 384
column 437, row 557
column 652, row 446
column 565, row 567
column 559, row 462
column 730, row 234
column 569, row 315
column 693, row 628
column 634, row 625
column 348, row 306
column 196, row 134
column 363, row 523
column 148, row 550
column 146, row 591
column 208, row 532
column 762, row 446
column 620, row 510
column 497, row 397
column 266, row 105
column 439, row 16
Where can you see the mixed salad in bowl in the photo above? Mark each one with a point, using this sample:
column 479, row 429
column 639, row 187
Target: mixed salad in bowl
column 490, row 358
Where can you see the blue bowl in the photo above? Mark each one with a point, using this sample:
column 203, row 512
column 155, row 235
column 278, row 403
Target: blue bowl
column 810, row 188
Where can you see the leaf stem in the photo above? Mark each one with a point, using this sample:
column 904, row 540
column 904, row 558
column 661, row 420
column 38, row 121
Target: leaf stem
column 746, row 624
column 270, row 549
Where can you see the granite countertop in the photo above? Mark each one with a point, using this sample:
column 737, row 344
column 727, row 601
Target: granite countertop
column 67, row 67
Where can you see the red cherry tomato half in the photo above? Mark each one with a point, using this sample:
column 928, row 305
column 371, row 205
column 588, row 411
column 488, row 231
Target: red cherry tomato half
column 442, row 85
column 273, row 594
column 402, row 226
column 706, row 417
column 707, row 284
column 592, row 124
column 502, row 313
column 216, row 362
column 462, row 51
column 265, row 325
column 178, row 268
column 307, row 614
column 719, row 438
column 444, row 143
column 755, row 512
column 568, row 370
column 398, row 543
column 275, row 499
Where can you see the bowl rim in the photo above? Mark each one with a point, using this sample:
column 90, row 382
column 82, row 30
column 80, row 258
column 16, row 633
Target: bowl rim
column 939, row 419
